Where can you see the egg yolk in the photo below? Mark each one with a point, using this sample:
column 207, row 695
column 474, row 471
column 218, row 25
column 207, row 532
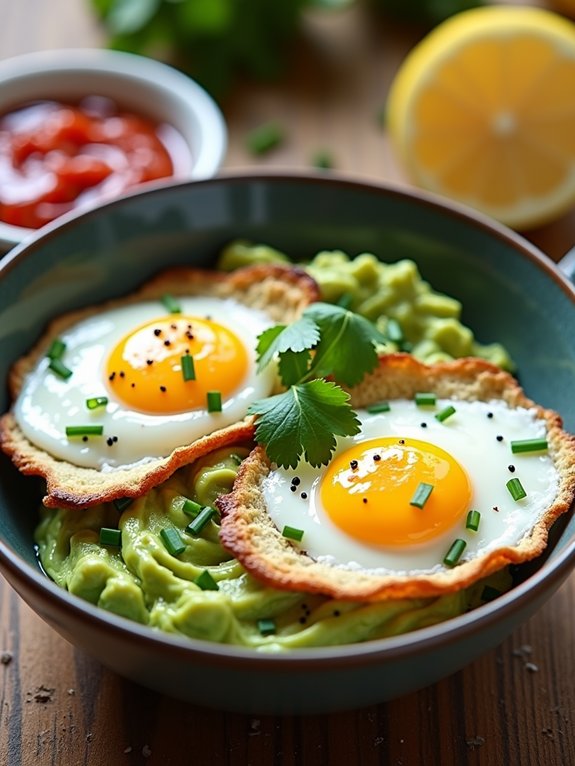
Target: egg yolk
column 146, row 372
column 367, row 491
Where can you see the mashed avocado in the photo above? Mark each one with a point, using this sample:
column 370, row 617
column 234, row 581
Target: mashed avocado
column 140, row 579
column 404, row 307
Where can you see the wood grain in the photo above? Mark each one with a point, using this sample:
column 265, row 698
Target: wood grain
column 515, row 705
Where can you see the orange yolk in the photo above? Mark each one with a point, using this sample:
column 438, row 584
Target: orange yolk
column 366, row 491
column 145, row 372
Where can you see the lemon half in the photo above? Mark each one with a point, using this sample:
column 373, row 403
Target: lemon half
column 482, row 110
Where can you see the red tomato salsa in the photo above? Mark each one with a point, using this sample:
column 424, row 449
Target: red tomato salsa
column 55, row 157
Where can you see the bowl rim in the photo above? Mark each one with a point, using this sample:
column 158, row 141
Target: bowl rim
column 151, row 73
column 545, row 580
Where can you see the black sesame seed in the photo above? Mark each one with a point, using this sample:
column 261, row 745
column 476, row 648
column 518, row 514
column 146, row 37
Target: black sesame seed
column 84, row 438
column 499, row 438
column 303, row 495
column 162, row 389
column 303, row 620
column 122, row 374
column 489, row 414
column 112, row 376
column 402, row 441
column 295, row 481
column 353, row 464
column 496, row 509
column 109, row 441
column 377, row 458
column 115, row 438
column 174, row 326
column 293, row 488
column 423, row 425
column 157, row 333
column 511, row 468
column 149, row 361
column 336, row 613
column 365, row 499
column 133, row 385
column 167, row 343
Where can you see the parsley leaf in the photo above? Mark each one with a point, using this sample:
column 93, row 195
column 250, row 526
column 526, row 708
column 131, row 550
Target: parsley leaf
column 304, row 421
column 346, row 349
column 293, row 366
column 299, row 336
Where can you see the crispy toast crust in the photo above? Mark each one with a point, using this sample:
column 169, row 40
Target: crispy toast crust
column 282, row 292
column 250, row 535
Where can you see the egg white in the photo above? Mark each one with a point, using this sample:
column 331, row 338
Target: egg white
column 48, row 403
column 469, row 436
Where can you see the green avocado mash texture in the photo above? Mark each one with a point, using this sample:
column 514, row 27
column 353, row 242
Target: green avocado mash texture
column 142, row 581
column 404, row 307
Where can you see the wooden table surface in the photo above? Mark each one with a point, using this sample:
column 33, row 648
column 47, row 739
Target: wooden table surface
column 515, row 705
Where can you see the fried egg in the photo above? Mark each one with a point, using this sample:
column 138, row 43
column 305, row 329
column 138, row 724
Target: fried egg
column 128, row 378
column 426, row 499
column 359, row 512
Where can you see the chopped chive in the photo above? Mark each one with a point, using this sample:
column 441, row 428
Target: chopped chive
column 58, row 367
column 393, row 331
column 172, row 540
column 377, row 407
column 421, row 495
column 191, row 507
column 84, row 430
column 56, row 350
column 323, row 160
column 267, row 627
column 214, row 400
column 95, row 402
column 265, row 138
column 445, row 413
column 424, row 399
column 171, row 304
column 109, row 536
column 516, row 489
column 381, row 116
column 454, row 553
column 206, row 582
column 188, row 370
column 529, row 445
column 473, row 519
column 292, row 532
column 204, row 516
column 489, row 593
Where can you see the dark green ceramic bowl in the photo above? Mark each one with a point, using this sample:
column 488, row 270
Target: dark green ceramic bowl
column 510, row 292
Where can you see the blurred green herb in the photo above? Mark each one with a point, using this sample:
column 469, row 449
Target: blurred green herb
column 212, row 40
column 265, row 137
column 323, row 160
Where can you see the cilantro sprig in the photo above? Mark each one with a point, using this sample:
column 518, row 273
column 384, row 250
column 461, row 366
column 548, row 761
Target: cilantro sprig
column 325, row 342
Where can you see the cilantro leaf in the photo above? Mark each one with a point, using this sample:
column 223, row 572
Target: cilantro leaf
column 293, row 366
column 304, row 421
column 300, row 335
column 346, row 349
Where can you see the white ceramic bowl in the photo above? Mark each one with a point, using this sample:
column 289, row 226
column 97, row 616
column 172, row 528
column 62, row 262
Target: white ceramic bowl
column 137, row 83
